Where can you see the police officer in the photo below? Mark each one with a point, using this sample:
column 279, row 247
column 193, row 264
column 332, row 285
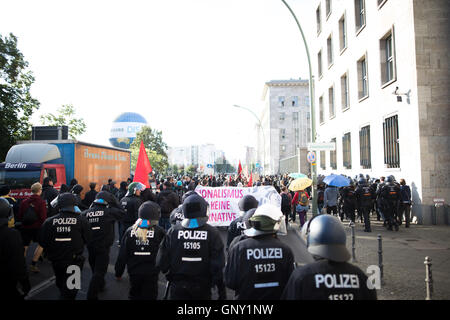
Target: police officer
column 64, row 236
column 348, row 202
column 390, row 197
column 380, row 206
column 104, row 211
column 12, row 261
column 237, row 226
column 364, row 199
column 247, row 225
column 259, row 267
column 176, row 216
column 192, row 255
column 130, row 204
column 330, row 277
column 138, row 251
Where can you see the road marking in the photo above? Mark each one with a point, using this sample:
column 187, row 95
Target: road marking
column 40, row 287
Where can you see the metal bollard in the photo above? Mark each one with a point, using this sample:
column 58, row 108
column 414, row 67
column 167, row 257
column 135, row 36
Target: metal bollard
column 353, row 243
column 428, row 278
column 380, row 255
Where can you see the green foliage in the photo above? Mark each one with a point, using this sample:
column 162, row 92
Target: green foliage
column 154, row 146
column 65, row 117
column 16, row 103
column 191, row 170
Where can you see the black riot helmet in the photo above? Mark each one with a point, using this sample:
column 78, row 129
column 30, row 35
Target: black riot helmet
column 6, row 211
column 104, row 198
column 390, row 179
column 195, row 211
column 247, row 202
column 187, row 194
column 362, row 181
column 149, row 213
column 326, row 238
column 67, row 202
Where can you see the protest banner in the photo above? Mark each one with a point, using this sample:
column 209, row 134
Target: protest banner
column 224, row 201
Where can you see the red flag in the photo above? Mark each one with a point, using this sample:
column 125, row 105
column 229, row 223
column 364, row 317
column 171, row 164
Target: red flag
column 143, row 167
column 240, row 168
column 250, row 183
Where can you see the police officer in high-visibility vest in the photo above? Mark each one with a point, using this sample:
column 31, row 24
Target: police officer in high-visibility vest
column 331, row 277
column 390, row 197
column 237, row 226
column 64, row 236
column 259, row 267
column 192, row 255
column 138, row 251
column 364, row 199
column 103, row 213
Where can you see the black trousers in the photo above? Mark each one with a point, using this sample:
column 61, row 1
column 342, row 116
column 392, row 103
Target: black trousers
column 143, row 287
column 366, row 215
column 183, row 290
column 61, row 276
column 98, row 260
column 349, row 212
column 390, row 214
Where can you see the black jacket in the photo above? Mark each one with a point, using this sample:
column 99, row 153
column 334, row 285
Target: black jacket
column 131, row 206
column 13, row 269
column 102, row 218
column 65, row 235
column 49, row 194
column 235, row 229
column 364, row 196
column 258, row 268
column 167, row 200
column 139, row 256
column 327, row 280
column 192, row 255
column 89, row 197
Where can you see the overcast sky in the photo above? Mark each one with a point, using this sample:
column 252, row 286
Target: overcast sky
column 182, row 64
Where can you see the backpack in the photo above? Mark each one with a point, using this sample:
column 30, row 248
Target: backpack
column 30, row 216
column 303, row 199
column 285, row 203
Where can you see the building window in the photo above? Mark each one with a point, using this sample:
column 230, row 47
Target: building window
column 295, row 116
column 295, row 101
column 347, row 150
column 282, row 116
column 345, row 98
column 330, row 50
column 282, row 134
column 321, row 115
column 323, row 160
column 387, row 58
column 331, row 102
column 391, row 142
column 342, row 33
column 306, row 101
column 360, row 14
column 381, row 3
column 364, row 148
column 319, row 22
column 281, row 101
column 282, row 148
column 333, row 162
column 297, row 137
column 328, row 7
column 319, row 62
column 363, row 89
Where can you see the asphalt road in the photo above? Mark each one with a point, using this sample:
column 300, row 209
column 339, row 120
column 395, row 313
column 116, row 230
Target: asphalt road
column 43, row 284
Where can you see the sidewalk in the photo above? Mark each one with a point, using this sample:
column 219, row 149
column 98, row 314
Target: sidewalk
column 404, row 254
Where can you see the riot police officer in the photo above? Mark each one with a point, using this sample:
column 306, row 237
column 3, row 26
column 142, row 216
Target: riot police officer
column 247, row 225
column 130, row 203
column 259, row 267
column 390, row 197
column 104, row 211
column 176, row 216
column 12, row 261
column 138, row 251
column 364, row 199
column 64, row 236
column 349, row 202
column 330, row 277
column 237, row 226
column 192, row 254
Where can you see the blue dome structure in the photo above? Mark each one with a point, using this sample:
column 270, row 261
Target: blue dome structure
column 124, row 129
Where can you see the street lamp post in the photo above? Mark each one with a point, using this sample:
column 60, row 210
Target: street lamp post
column 264, row 137
column 313, row 114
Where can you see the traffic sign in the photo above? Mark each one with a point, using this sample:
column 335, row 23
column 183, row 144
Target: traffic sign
column 322, row 146
column 311, row 157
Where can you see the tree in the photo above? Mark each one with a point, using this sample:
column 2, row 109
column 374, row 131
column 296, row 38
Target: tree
column 65, row 117
column 16, row 103
column 154, row 146
column 191, row 170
